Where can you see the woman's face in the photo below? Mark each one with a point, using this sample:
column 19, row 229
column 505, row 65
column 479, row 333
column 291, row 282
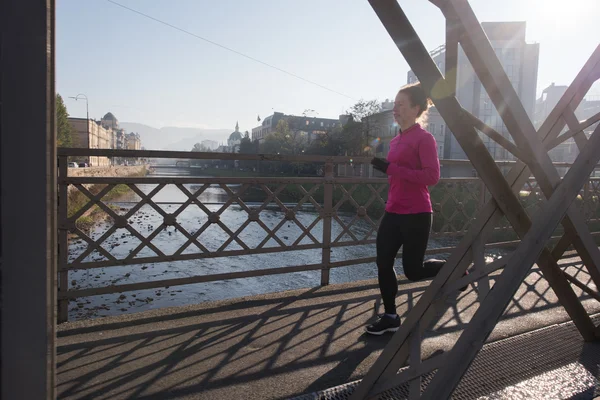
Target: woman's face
column 404, row 112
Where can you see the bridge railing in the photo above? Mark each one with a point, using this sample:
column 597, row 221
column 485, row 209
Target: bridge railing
column 273, row 215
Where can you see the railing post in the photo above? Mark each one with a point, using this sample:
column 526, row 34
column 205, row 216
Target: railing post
column 63, row 243
column 327, row 214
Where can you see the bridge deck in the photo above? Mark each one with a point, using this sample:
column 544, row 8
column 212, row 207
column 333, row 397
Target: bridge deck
column 278, row 345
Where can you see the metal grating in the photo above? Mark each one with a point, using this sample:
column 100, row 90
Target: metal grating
column 532, row 361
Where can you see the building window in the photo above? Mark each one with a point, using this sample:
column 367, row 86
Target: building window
column 510, row 71
column 307, row 122
column 321, row 123
column 432, row 129
column 442, row 130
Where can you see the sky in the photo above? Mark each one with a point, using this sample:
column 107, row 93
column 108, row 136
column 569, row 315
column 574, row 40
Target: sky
column 144, row 71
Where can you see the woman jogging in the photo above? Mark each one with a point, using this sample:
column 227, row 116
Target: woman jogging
column 412, row 165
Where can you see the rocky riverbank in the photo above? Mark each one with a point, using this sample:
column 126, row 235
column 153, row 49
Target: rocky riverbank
column 77, row 200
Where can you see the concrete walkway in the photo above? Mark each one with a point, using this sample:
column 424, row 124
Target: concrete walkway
column 272, row 346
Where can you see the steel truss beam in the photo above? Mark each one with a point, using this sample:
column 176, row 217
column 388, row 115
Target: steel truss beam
column 462, row 27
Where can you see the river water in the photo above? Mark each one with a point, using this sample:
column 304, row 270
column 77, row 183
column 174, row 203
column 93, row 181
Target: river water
column 147, row 219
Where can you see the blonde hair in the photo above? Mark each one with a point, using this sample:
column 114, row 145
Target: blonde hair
column 417, row 97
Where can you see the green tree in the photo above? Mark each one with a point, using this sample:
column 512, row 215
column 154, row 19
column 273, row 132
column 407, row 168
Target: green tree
column 364, row 108
column 285, row 140
column 362, row 130
column 330, row 144
column 246, row 145
column 348, row 140
column 65, row 135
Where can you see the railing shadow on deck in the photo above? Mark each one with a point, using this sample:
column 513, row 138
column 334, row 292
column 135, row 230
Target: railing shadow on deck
column 208, row 349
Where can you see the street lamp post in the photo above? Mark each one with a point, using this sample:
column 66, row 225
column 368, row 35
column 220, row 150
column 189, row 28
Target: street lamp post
column 87, row 118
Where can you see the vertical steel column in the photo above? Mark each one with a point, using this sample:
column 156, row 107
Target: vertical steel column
column 28, row 201
column 63, row 243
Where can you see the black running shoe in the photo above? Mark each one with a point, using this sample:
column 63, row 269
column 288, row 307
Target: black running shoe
column 384, row 324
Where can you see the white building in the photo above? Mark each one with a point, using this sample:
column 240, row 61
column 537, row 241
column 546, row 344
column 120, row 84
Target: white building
column 234, row 140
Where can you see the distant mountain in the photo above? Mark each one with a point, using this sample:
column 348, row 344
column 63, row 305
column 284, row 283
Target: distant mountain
column 189, row 142
column 174, row 138
column 152, row 138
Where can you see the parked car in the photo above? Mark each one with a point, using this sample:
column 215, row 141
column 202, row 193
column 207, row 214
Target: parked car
column 83, row 165
column 73, row 165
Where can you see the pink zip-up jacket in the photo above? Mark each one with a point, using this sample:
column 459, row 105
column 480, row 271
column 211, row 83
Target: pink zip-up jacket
column 414, row 165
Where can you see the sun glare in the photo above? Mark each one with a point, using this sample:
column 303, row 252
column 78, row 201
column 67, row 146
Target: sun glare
column 559, row 13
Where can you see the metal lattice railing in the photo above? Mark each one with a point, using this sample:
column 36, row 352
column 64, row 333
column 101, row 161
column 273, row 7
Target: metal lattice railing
column 344, row 212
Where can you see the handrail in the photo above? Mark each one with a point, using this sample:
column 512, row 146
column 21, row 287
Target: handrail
column 190, row 155
column 454, row 200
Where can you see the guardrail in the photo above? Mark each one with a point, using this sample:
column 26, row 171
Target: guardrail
column 346, row 213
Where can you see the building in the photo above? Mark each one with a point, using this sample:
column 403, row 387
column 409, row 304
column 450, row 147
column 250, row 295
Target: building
column 520, row 61
column 103, row 134
column 109, row 121
column 547, row 101
column 133, row 141
column 308, row 126
column 92, row 135
column 590, row 106
column 436, row 125
column 119, row 139
column 234, row 140
column 543, row 106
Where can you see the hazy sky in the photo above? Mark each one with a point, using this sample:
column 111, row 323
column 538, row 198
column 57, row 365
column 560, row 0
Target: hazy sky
column 146, row 72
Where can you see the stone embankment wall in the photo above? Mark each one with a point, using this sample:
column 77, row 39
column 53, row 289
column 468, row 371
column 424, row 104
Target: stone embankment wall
column 120, row 170
column 99, row 172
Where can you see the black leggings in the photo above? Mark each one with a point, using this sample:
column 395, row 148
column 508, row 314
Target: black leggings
column 412, row 232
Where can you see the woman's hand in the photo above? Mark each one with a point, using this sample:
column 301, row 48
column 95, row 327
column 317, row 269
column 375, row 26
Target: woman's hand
column 380, row 164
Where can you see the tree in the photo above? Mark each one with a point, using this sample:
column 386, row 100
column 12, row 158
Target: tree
column 247, row 147
column 364, row 108
column 65, row 135
column 361, row 131
column 341, row 141
column 284, row 141
column 200, row 148
column 332, row 143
